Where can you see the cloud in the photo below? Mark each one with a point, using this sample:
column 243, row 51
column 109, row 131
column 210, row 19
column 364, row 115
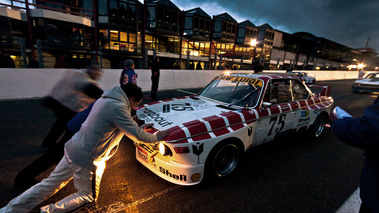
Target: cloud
column 348, row 22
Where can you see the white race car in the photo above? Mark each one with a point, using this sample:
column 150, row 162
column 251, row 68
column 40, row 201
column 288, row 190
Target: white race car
column 370, row 83
column 307, row 77
column 210, row 131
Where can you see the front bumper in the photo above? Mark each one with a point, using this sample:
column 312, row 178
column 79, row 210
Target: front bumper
column 167, row 168
column 365, row 88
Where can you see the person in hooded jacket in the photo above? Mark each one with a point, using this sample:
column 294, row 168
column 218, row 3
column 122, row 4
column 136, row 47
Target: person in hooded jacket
column 362, row 132
column 86, row 152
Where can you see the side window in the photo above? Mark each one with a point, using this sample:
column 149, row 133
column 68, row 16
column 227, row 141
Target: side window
column 278, row 92
column 283, row 88
column 298, row 90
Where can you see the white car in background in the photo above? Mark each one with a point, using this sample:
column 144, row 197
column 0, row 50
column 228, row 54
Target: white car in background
column 307, row 77
column 369, row 83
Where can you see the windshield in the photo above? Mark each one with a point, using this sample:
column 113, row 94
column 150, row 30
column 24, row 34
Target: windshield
column 240, row 91
column 372, row 76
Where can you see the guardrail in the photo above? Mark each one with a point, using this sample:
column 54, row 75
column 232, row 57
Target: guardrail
column 36, row 83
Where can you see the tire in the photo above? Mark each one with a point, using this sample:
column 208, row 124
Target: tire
column 318, row 126
column 223, row 160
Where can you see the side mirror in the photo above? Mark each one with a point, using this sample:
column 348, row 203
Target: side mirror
column 266, row 105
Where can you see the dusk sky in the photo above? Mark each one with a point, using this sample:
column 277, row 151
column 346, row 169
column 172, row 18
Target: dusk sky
column 348, row 22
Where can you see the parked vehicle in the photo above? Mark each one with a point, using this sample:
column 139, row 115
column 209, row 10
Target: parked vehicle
column 369, row 83
column 307, row 78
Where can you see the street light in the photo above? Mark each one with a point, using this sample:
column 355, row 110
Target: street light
column 253, row 43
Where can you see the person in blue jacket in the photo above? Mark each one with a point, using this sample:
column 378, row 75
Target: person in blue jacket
column 363, row 133
column 128, row 75
column 26, row 177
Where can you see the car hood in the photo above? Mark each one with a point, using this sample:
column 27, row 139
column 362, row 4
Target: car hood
column 367, row 81
column 184, row 117
column 167, row 114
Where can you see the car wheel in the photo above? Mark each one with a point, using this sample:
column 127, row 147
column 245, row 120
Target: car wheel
column 318, row 126
column 223, row 160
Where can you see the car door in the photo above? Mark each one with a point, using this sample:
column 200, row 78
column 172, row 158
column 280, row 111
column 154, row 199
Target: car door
column 279, row 117
column 300, row 95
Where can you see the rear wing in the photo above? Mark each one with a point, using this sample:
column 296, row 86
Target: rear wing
column 319, row 90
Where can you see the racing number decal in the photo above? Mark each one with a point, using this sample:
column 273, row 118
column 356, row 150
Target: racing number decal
column 281, row 123
column 177, row 107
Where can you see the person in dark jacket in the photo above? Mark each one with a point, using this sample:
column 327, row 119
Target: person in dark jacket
column 155, row 73
column 362, row 132
column 26, row 177
column 70, row 95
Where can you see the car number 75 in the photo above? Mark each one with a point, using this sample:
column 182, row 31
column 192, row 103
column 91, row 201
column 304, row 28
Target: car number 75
column 280, row 123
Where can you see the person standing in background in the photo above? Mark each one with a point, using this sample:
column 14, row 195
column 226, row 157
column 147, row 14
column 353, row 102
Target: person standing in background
column 128, row 75
column 155, row 73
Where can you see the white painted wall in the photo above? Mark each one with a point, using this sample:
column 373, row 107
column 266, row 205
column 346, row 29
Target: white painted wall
column 35, row 83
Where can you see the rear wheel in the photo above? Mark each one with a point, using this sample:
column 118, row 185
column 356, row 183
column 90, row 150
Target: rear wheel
column 318, row 126
column 223, row 160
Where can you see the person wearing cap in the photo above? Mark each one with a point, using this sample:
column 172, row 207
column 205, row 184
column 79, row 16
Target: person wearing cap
column 71, row 94
column 128, row 75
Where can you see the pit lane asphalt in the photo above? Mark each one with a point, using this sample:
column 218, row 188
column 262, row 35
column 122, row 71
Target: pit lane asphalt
column 291, row 174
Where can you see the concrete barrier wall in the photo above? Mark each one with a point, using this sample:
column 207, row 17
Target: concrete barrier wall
column 36, row 83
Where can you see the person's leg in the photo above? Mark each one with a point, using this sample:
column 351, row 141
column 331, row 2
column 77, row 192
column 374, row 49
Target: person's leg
column 25, row 178
column 63, row 116
column 28, row 200
column 87, row 183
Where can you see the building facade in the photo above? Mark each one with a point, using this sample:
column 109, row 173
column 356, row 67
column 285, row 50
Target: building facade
column 107, row 32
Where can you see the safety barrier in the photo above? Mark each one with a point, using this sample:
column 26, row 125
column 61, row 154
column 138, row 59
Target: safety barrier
column 36, row 83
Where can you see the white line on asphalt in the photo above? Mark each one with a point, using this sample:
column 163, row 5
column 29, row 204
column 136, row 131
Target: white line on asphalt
column 120, row 206
column 186, row 92
column 352, row 204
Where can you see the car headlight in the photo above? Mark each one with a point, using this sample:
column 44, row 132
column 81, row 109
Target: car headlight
column 164, row 150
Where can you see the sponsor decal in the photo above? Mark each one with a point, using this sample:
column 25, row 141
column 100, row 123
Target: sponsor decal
column 195, row 177
column 171, row 175
column 303, row 121
column 142, row 154
column 157, row 118
column 250, row 131
column 318, row 111
column 305, row 113
column 247, row 80
column 197, row 150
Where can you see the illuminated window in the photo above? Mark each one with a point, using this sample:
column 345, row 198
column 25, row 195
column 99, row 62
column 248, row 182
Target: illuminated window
column 114, row 35
column 123, row 36
column 132, row 38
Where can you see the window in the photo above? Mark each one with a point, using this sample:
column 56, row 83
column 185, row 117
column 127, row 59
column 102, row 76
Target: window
column 298, row 91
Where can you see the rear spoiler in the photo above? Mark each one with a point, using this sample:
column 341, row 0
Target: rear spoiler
column 320, row 91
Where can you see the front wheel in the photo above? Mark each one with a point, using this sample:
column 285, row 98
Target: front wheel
column 223, row 160
column 318, row 126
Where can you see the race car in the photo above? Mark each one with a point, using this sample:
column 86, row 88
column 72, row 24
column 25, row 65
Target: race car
column 307, row 77
column 369, row 83
column 210, row 131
